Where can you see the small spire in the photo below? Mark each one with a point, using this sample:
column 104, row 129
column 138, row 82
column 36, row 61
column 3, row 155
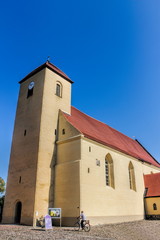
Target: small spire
column 48, row 59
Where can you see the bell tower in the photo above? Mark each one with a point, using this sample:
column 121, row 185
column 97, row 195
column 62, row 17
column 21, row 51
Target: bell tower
column 30, row 184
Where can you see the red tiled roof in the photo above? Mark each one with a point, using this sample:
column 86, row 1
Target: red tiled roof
column 104, row 134
column 152, row 182
column 51, row 67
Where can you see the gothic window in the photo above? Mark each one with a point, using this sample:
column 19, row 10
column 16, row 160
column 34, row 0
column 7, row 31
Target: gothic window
column 132, row 181
column 154, row 206
column 109, row 171
column 58, row 89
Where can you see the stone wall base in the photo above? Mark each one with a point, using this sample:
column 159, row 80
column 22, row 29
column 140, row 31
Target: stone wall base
column 114, row 219
column 70, row 221
column 153, row 217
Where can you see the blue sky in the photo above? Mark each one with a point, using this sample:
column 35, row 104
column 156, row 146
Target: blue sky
column 110, row 49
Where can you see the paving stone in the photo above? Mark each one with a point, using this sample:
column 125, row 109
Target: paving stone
column 139, row 230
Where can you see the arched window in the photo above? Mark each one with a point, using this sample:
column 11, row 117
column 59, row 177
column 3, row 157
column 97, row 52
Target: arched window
column 59, row 89
column 154, row 206
column 132, row 181
column 109, row 171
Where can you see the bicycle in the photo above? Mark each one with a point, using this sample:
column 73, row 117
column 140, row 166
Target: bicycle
column 86, row 225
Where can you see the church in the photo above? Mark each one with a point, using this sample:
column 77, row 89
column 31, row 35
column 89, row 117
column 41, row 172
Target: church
column 62, row 158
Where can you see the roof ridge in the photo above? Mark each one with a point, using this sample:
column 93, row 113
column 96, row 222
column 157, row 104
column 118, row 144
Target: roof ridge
column 118, row 139
column 149, row 174
column 146, row 150
column 106, row 125
column 50, row 66
column 49, row 63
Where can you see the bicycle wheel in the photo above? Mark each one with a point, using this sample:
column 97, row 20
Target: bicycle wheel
column 87, row 227
column 76, row 226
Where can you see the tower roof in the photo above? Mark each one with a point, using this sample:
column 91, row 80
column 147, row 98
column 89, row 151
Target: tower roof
column 152, row 183
column 49, row 66
column 106, row 135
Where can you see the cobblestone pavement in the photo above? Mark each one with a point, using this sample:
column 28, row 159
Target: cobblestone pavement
column 139, row 230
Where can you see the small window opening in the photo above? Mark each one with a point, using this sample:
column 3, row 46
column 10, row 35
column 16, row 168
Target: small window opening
column 89, row 149
column 20, row 179
column 55, row 132
column 63, row 131
column 98, row 162
column 88, row 170
column 25, row 131
column 30, row 93
column 154, row 206
column 58, row 90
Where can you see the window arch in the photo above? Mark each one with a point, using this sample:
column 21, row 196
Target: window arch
column 154, row 206
column 109, row 171
column 58, row 89
column 132, row 181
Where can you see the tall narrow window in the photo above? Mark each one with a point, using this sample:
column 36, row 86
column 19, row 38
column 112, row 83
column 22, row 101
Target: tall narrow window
column 154, row 206
column 58, row 89
column 20, row 179
column 132, row 181
column 63, row 131
column 109, row 171
column 30, row 93
column 30, row 89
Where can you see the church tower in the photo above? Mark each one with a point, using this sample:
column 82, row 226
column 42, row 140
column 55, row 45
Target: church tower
column 30, row 184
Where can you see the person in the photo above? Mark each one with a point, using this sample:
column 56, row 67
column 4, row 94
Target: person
column 83, row 219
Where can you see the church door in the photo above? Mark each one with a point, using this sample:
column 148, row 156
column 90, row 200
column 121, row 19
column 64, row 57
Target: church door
column 18, row 209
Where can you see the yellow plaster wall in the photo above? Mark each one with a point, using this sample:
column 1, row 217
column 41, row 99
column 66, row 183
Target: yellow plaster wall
column 70, row 131
column 33, row 156
column 47, row 147
column 67, row 179
column 99, row 201
column 24, row 152
column 149, row 205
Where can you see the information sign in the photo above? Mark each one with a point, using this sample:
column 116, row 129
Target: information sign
column 55, row 212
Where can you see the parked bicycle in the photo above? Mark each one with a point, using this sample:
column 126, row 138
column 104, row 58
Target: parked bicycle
column 86, row 225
